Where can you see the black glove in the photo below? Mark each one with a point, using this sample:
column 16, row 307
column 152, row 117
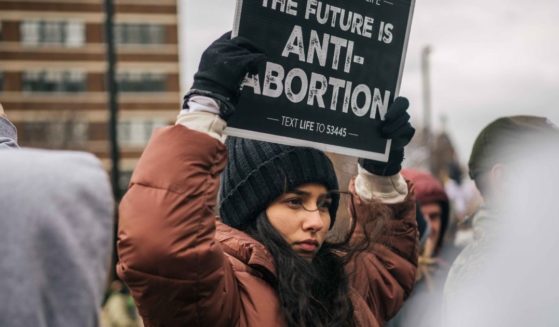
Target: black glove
column 223, row 66
column 396, row 126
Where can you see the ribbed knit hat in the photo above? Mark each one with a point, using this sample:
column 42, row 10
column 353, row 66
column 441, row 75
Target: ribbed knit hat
column 504, row 138
column 258, row 172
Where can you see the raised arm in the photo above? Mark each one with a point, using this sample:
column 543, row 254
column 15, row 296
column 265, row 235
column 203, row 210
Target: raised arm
column 384, row 274
column 168, row 255
column 177, row 271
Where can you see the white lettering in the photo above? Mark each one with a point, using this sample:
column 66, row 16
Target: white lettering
column 337, row 84
column 280, row 2
column 368, row 27
column 345, row 26
column 291, row 8
column 361, row 111
column 388, row 33
column 317, row 92
column 325, row 14
column 274, row 76
column 252, row 81
column 357, row 24
column 295, row 44
column 315, row 46
column 347, row 96
column 336, row 16
column 379, row 104
column 338, row 43
column 291, row 95
column 349, row 57
column 311, row 8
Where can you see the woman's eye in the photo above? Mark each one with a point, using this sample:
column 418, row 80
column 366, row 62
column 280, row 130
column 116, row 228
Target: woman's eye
column 325, row 205
column 294, row 203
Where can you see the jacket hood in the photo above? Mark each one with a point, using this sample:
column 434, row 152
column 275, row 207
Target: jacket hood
column 56, row 226
column 428, row 190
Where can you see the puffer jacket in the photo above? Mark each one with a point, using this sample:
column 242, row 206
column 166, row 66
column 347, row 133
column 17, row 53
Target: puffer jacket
column 185, row 268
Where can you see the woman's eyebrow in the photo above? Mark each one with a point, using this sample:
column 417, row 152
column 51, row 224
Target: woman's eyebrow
column 298, row 192
column 304, row 193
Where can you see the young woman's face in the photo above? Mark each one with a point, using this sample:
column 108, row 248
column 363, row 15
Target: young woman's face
column 302, row 218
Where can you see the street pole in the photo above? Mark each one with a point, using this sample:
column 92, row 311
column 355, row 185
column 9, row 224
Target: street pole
column 425, row 74
column 112, row 89
column 425, row 52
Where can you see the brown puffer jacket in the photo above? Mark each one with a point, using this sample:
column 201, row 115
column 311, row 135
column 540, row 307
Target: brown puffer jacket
column 185, row 268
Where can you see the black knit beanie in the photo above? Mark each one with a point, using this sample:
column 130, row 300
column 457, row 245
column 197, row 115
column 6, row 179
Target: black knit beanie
column 504, row 138
column 258, row 172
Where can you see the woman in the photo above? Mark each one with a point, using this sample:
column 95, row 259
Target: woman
column 266, row 260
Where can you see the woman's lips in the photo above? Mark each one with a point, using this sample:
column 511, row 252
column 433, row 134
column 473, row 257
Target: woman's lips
column 307, row 245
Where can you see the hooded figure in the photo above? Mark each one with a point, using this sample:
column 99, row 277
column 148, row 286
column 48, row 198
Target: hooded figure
column 423, row 226
column 266, row 261
column 433, row 203
column 424, row 307
column 56, row 223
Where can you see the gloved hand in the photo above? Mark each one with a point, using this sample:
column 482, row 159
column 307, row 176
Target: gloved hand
column 222, row 68
column 396, row 126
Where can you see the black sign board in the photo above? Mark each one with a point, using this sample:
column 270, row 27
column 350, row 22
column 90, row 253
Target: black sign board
column 333, row 67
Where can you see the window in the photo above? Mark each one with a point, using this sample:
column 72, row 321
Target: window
column 141, row 82
column 52, row 32
column 155, row 34
column 54, row 81
column 136, row 132
column 36, row 133
column 66, row 33
column 30, row 32
column 139, row 34
column 63, row 134
column 75, row 34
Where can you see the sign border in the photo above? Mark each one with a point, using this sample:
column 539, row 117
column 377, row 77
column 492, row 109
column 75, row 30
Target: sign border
column 244, row 133
column 378, row 156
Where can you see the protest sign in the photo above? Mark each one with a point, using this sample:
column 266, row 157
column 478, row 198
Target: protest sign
column 333, row 67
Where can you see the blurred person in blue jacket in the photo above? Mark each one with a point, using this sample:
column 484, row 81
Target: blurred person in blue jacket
column 56, row 226
column 507, row 275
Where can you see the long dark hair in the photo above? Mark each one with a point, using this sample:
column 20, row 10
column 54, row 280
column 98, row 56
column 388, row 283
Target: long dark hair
column 313, row 293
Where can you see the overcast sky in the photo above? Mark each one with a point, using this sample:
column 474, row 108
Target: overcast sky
column 490, row 58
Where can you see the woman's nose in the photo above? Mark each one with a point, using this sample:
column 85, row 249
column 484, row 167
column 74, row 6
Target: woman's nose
column 313, row 221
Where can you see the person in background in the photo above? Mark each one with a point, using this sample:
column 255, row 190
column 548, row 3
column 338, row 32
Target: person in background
column 465, row 200
column 56, row 227
column 503, row 276
column 434, row 206
column 423, row 226
column 266, row 261
column 424, row 306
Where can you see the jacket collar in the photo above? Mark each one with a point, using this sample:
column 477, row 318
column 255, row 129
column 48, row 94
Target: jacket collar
column 246, row 249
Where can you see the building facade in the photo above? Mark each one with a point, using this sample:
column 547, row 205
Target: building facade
column 52, row 73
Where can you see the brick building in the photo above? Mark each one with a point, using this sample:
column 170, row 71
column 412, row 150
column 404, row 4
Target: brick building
column 52, row 73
